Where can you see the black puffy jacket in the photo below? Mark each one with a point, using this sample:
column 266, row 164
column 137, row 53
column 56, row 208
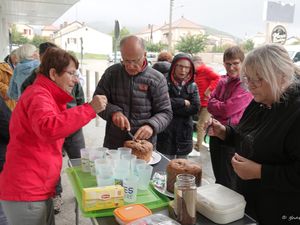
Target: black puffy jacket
column 142, row 98
column 177, row 138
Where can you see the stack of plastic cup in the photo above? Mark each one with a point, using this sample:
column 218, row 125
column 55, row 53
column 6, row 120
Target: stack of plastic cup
column 130, row 185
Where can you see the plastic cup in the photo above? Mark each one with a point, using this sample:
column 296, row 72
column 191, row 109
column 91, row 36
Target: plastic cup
column 85, row 163
column 130, row 185
column 93, row 155
column 144, row 174
column 105, row 180
column 124, row 151
column 132, row 159
column 113, row 156
column 103, row 167
column 139, row 162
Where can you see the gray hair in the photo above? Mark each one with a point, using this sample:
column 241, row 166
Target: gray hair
column 139, row 40
column 26, row 51
column 272, row 63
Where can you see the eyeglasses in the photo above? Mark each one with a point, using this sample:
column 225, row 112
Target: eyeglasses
column 183, row 67
column 74, row 74
column 255, row 82
column 234, row 64
column 134, row 62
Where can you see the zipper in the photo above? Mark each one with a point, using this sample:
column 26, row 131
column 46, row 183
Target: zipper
column 130, row 97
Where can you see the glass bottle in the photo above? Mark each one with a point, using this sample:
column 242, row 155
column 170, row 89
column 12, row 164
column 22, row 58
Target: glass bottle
column 185, row 191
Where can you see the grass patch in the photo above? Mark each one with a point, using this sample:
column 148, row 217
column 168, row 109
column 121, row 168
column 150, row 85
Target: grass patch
column 91, row 56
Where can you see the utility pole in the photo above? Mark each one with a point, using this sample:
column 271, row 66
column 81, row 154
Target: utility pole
column 170, row 27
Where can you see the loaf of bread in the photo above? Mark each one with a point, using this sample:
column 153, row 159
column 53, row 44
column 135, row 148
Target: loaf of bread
column 182, row 166
column 141, row 148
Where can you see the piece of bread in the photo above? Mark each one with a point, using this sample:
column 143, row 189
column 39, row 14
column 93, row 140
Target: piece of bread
column 141, row 148
column 182, row 166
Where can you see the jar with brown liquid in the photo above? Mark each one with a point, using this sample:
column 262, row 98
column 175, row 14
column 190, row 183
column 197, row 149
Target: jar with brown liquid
column 185, row 191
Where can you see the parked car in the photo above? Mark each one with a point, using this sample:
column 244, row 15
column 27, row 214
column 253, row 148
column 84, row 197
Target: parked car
column 111, row 57
column 152, row 57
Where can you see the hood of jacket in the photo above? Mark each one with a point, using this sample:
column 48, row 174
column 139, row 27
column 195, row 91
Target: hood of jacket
column 177, row 58
column 162, row 66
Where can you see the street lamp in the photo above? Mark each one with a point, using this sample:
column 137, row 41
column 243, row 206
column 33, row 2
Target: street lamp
column 170, row 27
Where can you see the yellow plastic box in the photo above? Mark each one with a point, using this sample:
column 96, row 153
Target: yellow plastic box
column 129, row 213
column 96, row 198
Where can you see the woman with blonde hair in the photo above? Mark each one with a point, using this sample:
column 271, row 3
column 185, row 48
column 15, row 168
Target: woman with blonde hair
column 28, row 61
column 266, row 141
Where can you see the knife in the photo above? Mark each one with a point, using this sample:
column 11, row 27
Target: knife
column 131, row 135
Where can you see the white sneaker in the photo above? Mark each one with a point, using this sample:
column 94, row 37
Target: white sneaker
column 194, row 153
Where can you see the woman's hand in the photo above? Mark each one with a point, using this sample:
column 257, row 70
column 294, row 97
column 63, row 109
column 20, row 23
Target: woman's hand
column 214, row 128
column 99, row 103
column 245, row 168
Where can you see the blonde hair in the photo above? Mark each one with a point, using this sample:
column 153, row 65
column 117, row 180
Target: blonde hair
column 271, row 63
column 27, row 51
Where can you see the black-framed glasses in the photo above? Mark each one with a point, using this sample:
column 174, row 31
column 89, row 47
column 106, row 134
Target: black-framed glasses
column 254, row 82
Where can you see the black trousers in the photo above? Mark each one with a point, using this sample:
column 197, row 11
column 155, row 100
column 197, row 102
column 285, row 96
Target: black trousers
column 221, row 155
column 72, row 146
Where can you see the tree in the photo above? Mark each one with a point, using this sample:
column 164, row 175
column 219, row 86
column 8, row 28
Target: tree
column 192, row 44
column 248, row 45
column 158, row 47
column 123, row 33
column 37, row 40
column 17, row 38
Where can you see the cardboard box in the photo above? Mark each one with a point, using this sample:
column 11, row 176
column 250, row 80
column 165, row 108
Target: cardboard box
column 97, row 198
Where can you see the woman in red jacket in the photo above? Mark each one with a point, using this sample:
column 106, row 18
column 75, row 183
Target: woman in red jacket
column 38, row 126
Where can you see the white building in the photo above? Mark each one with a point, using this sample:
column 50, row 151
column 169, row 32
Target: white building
column 48, row 31
column 25, row 30
column 75, row 35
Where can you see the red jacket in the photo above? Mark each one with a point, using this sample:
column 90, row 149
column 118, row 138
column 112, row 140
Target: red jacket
column 38, row 126
column 205, row 78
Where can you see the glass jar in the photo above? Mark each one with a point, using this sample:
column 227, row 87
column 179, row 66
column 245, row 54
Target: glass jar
column 185, row 191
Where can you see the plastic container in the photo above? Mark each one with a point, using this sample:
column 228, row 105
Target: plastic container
column 155, row 219
column 129, row 213
column 220, row 204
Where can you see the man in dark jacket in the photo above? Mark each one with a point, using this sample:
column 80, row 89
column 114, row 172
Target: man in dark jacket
column 138, row 99
column 176, row 141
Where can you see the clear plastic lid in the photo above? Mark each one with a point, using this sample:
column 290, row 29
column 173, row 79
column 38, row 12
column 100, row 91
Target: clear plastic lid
column 155, row 219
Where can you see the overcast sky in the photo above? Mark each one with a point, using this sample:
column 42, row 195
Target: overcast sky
column 238, row 17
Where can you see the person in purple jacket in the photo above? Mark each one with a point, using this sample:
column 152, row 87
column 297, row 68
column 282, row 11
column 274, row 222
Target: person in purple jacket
column 227, row 104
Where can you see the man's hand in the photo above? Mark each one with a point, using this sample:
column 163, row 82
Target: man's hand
column 245, row 168
column 99, row 103
column 120, row 120
column 144, row 132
